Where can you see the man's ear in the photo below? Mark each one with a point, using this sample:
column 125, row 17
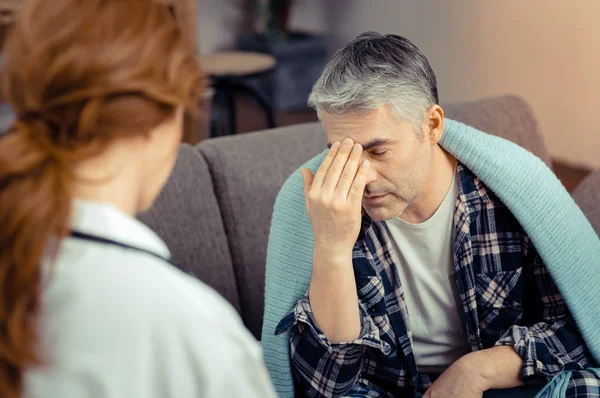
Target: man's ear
column 434, row 124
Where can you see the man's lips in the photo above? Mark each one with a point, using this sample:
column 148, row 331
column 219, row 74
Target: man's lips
column 372, row 198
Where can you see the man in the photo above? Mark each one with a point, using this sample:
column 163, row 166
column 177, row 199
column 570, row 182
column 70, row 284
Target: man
column 418, row 268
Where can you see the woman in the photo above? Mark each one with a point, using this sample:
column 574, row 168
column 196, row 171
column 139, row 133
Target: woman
column 89, row 305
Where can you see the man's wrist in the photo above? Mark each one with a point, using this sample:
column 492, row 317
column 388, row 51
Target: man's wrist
column 494, row 368
column 477, row 365
column 331, row 254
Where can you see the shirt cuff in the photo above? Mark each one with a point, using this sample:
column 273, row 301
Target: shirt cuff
column 537, row 361
column 301, row 318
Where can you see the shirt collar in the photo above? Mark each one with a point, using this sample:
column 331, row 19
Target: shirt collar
column 105, row 220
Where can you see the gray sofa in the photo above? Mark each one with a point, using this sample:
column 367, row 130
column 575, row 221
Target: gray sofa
column 215, row 211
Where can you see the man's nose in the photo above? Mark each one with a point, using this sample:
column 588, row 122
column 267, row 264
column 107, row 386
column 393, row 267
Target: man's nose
column 372, row 176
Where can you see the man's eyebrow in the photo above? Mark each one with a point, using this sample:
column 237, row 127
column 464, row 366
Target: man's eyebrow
column 371, row 144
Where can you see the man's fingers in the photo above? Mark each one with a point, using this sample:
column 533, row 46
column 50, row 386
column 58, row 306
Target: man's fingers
column 357, row 188
column 349, row 173
column 308, row 178
column 324, row 168
column 336, row 168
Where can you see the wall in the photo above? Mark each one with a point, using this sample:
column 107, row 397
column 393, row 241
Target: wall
column 545, row 51
column 219, row 20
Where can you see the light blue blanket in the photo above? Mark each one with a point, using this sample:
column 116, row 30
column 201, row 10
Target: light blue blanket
column 562, row 235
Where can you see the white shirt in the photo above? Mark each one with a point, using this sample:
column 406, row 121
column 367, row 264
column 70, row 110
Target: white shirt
column 120, row 323
column 425, row 262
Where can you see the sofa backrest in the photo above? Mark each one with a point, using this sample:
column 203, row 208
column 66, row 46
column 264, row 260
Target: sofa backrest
column 587, row 196
column 248, row 170
column 507, row 116
column 187, row 217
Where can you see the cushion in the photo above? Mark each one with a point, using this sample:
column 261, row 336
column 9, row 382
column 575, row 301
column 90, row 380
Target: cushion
column 587, row 196
column 187, row 217
column 248, row 171
column 508, row 117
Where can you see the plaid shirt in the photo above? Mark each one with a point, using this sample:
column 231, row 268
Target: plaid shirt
column 507, row 297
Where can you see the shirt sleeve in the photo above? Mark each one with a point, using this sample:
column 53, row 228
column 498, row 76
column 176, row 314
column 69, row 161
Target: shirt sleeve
column 324, row 369
column 551, row 343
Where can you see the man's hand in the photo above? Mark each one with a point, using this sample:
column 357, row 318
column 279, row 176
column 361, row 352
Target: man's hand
column 479, row 371
column 334, row 198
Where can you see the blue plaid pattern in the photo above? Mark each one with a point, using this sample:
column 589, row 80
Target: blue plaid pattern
column 506, row 297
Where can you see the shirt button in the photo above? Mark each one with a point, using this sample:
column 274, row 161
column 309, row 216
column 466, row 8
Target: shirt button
column 374, row 309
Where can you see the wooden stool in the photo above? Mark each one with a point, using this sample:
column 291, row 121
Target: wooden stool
column 227, row 72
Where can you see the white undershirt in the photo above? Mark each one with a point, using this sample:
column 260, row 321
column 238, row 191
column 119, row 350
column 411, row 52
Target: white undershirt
column 426, row 266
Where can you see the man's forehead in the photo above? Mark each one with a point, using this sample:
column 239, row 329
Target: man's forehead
column 361, row 127
column 352, row 127
column 351, row 120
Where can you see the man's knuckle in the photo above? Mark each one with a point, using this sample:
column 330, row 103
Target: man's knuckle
column 338, row 205
column 323, row 201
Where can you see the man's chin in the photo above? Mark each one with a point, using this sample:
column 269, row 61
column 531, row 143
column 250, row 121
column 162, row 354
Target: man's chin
column 383, row 213
column 380, row 213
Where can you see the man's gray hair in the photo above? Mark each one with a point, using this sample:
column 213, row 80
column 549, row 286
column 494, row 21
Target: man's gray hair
column 375, row 70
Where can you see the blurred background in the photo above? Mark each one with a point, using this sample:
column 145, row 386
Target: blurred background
column 263, row 56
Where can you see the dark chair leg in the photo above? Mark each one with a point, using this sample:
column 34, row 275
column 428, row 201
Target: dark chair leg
column 223, row 114
column 260, row 98
column 219, row 111
column 232, row 111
